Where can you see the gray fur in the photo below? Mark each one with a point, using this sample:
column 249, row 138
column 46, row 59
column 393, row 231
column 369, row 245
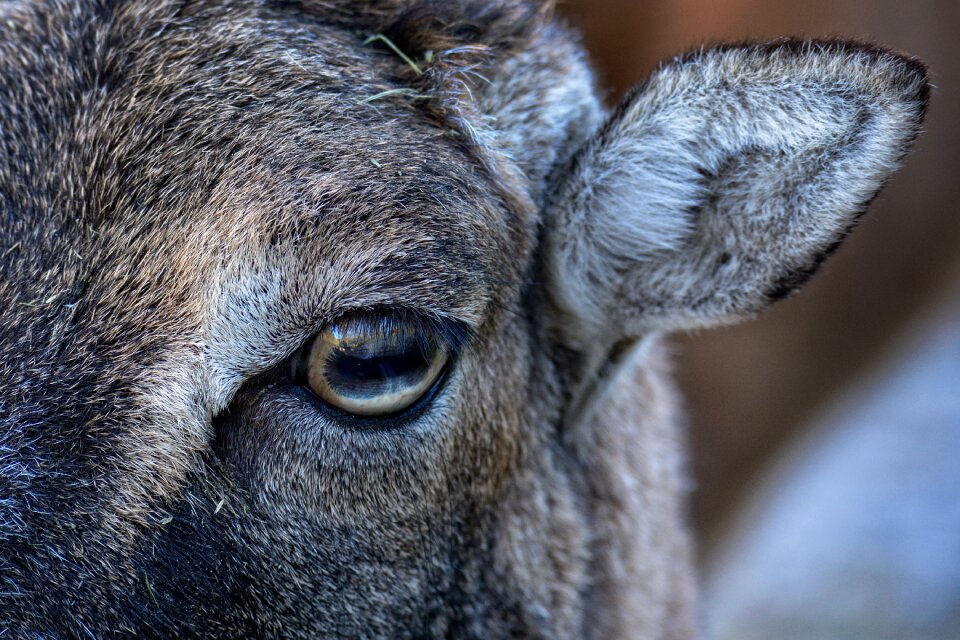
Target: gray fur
column 190, row 190
column 721, row 183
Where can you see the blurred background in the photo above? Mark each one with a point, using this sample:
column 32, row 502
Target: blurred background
column 779, row 405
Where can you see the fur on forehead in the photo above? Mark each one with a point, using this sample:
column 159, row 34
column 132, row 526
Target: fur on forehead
column 448, row 42
column 451, row 35
column 438, row 25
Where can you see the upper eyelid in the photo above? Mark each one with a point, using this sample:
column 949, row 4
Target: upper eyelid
column 456, row 333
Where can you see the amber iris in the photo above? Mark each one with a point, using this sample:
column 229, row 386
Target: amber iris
column 374, row 365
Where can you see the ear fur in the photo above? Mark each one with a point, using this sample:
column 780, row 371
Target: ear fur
column 722, row 183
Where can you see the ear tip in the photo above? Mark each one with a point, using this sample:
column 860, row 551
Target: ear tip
column 905, row 74
column 908, row 74
column 915, row 81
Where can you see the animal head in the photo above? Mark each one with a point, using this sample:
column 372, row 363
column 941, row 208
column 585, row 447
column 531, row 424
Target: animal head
column 331, row 318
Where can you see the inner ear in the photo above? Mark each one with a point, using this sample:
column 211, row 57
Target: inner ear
column 723, row 182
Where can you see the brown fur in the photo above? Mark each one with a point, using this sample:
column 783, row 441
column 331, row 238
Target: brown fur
column 188, row 192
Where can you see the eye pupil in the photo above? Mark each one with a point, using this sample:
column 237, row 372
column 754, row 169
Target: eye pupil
column 374, row 366
column 357, row 376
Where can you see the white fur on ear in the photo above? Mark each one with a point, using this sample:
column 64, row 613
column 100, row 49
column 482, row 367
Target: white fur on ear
column 722, row 183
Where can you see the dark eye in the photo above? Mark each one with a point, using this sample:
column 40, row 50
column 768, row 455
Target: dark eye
column 373, row 365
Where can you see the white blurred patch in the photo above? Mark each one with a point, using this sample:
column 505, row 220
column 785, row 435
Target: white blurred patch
column 856, row 533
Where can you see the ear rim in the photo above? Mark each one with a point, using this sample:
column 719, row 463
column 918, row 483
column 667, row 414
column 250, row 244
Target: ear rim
column 902, row 80
column 791, row 283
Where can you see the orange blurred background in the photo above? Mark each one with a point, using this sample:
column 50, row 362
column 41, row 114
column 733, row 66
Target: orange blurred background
column 750, row 388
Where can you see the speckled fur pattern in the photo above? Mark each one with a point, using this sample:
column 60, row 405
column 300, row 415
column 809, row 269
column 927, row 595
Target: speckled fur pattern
column 753, row 163
column 189, row 190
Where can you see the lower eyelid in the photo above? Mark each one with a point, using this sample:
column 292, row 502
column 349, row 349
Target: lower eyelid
column 393, row 422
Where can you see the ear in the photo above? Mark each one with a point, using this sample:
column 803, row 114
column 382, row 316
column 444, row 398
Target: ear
column 723, row 182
